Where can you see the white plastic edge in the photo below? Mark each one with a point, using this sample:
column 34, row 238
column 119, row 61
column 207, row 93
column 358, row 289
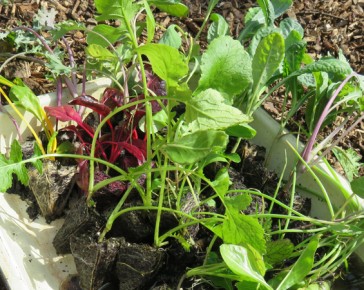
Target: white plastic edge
column 280, row 153
column 27, row 257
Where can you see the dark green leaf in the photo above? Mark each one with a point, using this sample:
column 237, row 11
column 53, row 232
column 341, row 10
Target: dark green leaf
column 241, row 131
column 357, row 185
column 329, row 65
column 278, row 251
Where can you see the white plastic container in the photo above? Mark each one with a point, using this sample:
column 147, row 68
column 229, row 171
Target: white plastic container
column 28, row 259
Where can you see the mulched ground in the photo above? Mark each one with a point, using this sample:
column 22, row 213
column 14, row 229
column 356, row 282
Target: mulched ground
column 330, row 26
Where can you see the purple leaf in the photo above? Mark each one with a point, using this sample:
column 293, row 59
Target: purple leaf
column 92, row 103
column 64, row 113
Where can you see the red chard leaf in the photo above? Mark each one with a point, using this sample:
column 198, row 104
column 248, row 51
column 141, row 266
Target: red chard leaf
column 64, row 113
column 91, row 103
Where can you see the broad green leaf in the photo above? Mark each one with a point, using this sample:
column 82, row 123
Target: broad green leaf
column 244, row 230
column 268, row 56
column 295, row 53
column 55, row 65
column 357, row 185
column 195, row 146
column 329, row 65
column 241, row 261
column 222, row 182
column 349, row 160
column 238, row 202
column 25, row 97
column 288, row 25
column 172, row 7
column 166, row 62
column 99, row 52
column 302, row 267
column 112, row 34
column 11, row 166
column 61, row 29
column 171, row 37
column 259, row 35
column 268, row 11
column 207, row 110
column 281, row 6
column 254, row 19
column 219, row 27
column 225, row 67
column 124, row 10
column 278, row 251
column 241, row 131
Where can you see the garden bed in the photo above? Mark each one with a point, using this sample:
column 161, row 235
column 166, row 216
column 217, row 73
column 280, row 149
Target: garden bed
column 162, row 170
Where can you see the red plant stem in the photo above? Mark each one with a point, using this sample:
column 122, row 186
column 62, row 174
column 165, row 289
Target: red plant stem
column 72, row 61
column 308, row 149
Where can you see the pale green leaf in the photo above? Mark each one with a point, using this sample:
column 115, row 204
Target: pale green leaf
column 238, row 202
column 196, row 146
column 99, row 52
column 207, row 110
column 25, row 97
column 225, row 67
column 242, row 229
column 112, row 34
column 242, row 262
column 268, row 11
column 124, row 10
column 167, row 62
column 268, row 56
column 222, row 182
column 219, row 27
column 171, row 37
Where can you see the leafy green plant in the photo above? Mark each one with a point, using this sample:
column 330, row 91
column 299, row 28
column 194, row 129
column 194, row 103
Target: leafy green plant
column 172, row 116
